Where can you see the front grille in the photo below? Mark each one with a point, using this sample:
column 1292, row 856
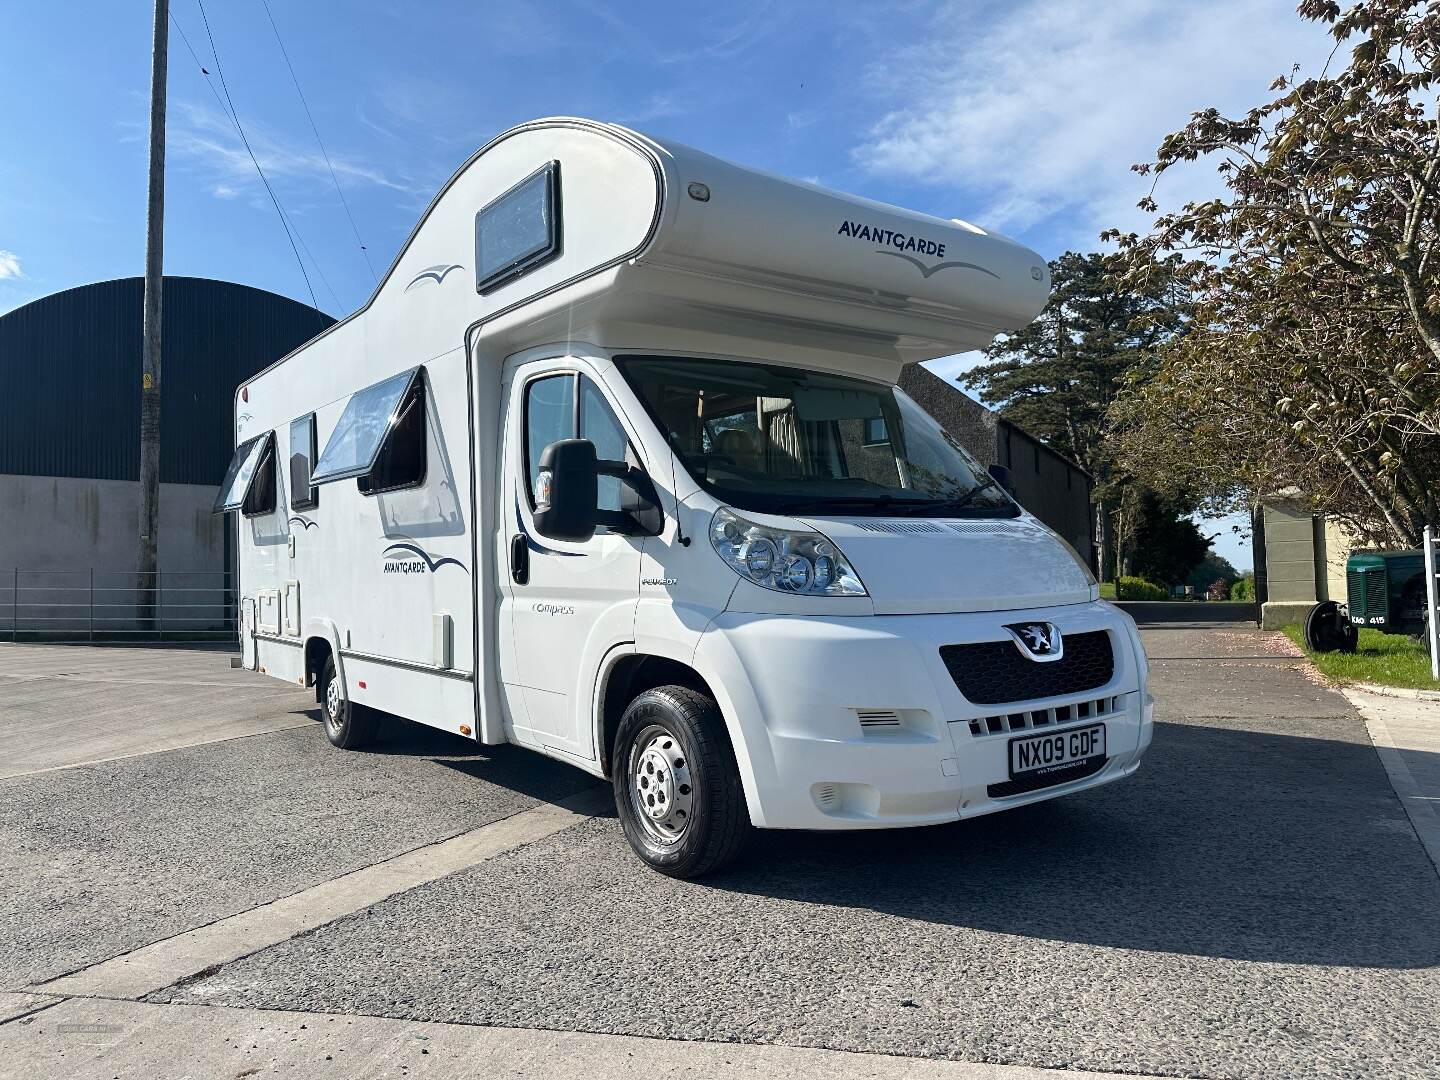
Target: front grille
column 1031, row 719
column 996, row 672
column 1078, row 771
column 1367, row 592
column 1377, row 587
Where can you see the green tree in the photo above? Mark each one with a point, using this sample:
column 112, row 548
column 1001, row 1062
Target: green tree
column 1058, row 376
column 1166, row 545
column 1313, row 358
column 1212, row 568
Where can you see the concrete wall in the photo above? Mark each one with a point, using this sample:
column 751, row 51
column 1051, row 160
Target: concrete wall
column 62, row 533
column 1337, row 542
column 1291, row 552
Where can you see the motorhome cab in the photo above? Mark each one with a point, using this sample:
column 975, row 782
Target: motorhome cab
column 613, row 466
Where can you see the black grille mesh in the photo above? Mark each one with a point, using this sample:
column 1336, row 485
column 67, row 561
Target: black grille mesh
column 995, row 672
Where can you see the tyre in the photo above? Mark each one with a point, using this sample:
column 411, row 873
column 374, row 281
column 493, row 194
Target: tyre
column 1328, row 630
column 347, row 725
column 677, row 787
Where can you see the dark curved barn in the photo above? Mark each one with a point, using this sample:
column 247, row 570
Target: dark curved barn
column 71, row 364
column 70, row 437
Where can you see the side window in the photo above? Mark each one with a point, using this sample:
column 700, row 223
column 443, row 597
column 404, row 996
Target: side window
column 599, row 424
column 302, row 456
column 400, row 462
column 549, row 417
column 260, row 499
column 249, row 484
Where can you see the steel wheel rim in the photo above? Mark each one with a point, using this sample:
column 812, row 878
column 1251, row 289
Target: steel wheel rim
column 334, row 706
column 662, row 790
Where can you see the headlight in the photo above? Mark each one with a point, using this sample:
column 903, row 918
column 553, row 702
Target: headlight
column 799, row 563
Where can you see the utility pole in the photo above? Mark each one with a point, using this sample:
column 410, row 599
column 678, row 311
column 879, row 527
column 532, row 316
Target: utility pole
column 154, row 280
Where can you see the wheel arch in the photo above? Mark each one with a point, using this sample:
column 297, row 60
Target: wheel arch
column 627, row 673
column 322, row 639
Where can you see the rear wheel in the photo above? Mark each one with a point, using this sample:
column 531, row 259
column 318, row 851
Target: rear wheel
column 677, row 787
column 347, row 725
column 1327, row 629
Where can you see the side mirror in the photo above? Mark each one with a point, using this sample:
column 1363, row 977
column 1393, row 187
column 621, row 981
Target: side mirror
column 1001, row 475
column 566, row 491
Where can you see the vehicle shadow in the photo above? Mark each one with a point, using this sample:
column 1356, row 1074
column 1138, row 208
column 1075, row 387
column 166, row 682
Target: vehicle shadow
column 511, row 767
column 1228, row 843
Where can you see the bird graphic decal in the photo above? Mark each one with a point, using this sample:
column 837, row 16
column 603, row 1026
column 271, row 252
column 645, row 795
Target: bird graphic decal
column 928, row 271
column 435, row 273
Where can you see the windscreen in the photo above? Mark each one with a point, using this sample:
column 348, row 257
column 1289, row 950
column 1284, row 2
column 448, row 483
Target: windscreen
column 357, row 437
column 785, row 440
column 240, row 473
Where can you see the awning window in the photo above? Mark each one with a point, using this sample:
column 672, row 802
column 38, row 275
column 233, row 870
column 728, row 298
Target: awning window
column 249, row 482
column 367, row 420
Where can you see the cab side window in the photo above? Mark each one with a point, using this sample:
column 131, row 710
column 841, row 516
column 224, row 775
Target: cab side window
column 599, row 424
column 549, row 417
column 554, row 411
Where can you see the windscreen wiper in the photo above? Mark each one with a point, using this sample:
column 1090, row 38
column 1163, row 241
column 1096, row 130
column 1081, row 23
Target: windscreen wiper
column 951, row 505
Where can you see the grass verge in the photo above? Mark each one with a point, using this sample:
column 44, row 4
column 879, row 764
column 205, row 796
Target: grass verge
column 1387, row 659
column 1107, row 590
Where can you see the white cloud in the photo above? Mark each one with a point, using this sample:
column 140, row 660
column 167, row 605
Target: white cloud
column 1045, row 110
column 206, row 137
column 10, row 266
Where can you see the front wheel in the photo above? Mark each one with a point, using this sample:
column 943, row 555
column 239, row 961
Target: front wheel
column 677, row 787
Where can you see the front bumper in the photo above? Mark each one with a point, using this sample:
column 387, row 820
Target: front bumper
column 854, row 722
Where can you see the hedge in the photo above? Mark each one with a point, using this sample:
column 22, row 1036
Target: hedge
column 1137, row 588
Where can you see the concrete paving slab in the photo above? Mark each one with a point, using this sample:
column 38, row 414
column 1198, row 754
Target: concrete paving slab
column 1253, row 903
column 1406, row 733
column 117, row 1040
column 17, row 1004
column 102, row 859
column 170, row 961
column 67, row 705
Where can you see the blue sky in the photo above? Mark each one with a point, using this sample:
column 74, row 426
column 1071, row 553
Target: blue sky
column 1021, row 116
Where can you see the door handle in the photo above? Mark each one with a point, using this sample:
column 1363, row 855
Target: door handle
column 520, row 559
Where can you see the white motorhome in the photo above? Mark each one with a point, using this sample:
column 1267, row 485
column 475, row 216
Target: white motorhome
column 613, row 466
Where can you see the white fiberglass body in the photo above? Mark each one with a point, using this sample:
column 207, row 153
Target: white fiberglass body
column 888, row 638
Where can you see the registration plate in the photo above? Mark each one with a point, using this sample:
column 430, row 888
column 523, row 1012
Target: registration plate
column 1038, row 754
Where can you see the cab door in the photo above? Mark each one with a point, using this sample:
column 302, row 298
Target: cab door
column 565, row 604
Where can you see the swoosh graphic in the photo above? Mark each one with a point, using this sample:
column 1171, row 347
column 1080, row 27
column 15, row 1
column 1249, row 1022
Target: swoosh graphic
column 303, row 521
column 535, row 546
column 433, row 563
column 435, row 273
column 926, row 271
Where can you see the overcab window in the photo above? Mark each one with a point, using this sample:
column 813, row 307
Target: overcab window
column 518, row 231
column 249, row 484
column 380, row 439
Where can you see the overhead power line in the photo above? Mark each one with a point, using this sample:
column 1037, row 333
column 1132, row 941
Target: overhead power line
column 227, row 106
column 320, row 142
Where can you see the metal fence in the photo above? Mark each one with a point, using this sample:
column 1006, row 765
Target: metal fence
column 97, row 605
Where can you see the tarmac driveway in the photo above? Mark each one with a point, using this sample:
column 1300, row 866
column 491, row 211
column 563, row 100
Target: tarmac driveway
column 1252, row 903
